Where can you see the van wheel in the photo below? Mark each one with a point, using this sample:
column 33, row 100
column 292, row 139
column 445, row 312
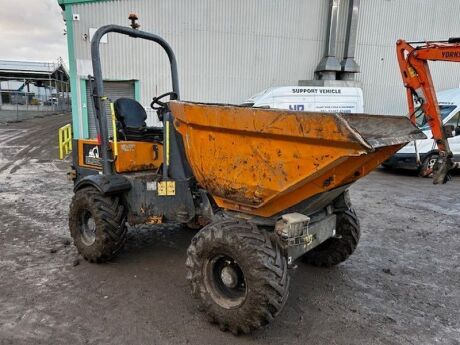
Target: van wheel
column 426, row 170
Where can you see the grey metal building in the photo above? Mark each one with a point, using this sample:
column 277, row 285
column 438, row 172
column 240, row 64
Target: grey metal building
column 229, row 50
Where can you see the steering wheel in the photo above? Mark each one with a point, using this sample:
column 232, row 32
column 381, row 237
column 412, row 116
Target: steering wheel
column 161, row 104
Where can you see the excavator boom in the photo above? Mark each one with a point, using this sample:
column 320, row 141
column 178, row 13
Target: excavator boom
column 413, row 60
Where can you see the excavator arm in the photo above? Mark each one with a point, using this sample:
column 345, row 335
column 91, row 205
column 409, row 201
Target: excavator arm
column 413, row 63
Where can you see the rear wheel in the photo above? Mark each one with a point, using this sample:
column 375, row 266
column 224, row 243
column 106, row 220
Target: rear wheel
column 194, row 224
column 426, row 170
column 238, row 275
column 337, row 249
column 97, row 224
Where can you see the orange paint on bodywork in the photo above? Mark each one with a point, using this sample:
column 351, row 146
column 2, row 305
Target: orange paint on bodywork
column 261, row 162
column 132, row 155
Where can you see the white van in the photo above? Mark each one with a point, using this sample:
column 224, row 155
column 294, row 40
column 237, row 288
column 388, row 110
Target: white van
column 310, row 98
column 406, row 158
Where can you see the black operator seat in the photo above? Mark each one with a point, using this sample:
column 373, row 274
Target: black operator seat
column 131, row 117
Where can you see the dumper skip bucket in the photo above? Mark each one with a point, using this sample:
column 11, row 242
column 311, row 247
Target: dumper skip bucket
column 264, row 161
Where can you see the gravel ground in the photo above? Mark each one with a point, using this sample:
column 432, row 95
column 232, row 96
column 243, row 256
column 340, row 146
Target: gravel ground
column 402, row 285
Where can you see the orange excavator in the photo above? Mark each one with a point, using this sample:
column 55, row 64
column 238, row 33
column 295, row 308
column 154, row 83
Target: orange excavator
column 413, row 60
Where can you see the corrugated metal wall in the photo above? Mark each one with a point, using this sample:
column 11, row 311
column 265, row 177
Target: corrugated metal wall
column 229, row 50
column 226, row 50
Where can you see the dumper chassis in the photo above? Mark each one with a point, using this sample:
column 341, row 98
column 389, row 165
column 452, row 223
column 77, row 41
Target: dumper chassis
column 258, row 182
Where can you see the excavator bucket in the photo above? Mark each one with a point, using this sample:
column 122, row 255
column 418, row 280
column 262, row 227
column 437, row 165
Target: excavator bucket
column 264, row 161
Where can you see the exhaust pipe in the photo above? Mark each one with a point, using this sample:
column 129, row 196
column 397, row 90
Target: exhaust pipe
column 329, row 65
column 349, row 66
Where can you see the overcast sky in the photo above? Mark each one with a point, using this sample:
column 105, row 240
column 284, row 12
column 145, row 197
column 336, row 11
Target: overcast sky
column 31, row 30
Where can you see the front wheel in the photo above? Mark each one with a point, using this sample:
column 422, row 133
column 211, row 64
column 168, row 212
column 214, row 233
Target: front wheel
column 338, row 248
column 237, row 274
column 97, row 224
column 426, row 170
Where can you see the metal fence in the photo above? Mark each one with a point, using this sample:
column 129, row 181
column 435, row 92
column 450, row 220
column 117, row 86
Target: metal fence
column 17, row 106
column 21, row 99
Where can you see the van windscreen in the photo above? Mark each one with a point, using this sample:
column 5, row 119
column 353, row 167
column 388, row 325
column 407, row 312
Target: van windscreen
column 421, row 119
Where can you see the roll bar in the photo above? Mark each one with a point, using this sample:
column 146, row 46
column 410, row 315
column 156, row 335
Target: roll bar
column 99, row 97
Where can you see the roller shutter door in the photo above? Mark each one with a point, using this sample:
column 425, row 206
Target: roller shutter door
column 113, row 90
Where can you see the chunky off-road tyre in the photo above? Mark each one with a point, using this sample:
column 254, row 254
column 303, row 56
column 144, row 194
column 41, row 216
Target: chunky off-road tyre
column 337, row 249
column 238, row 275
column 427, row 167
column 97, row 224
column 194, row 224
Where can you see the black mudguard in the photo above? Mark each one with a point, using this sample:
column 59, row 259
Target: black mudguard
column 106, row 184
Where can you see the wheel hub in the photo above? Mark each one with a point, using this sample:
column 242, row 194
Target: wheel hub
column 229, row 277
column 87, row 228
column 225, row 281
column 432, row 163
